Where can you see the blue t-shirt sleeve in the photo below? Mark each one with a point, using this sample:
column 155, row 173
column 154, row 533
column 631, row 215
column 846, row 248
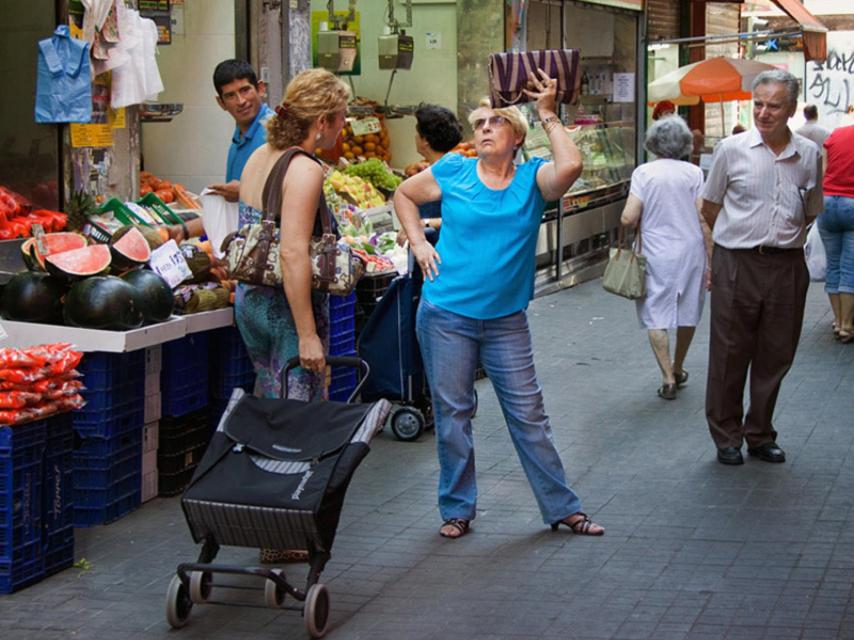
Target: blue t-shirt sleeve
column 446, row 170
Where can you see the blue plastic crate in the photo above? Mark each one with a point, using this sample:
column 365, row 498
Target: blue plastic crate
column 92, row 422
column 104, row 371
column 227, row 344
column 109, row 448
column 101, row 473
column 342, row 327
column 59, row 551
column 341, row 344
column 191, row 351
column 105, row 514
column 117, row 425
column 342, row 306
column 92, row 498
column 121, row 393
column 187, row 401
column 58, row 488
column 22, row 451
column 343, row 380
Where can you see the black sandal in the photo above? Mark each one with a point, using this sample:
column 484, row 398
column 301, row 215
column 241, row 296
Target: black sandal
column 581, row 526
column 460, row 525
column 667, row 391
column 681, row 377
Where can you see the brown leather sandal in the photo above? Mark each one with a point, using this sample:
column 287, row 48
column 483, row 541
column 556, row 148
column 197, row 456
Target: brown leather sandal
column 460, row 526
column 580, row 526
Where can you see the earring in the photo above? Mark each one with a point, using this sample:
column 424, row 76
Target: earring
column 317, row 136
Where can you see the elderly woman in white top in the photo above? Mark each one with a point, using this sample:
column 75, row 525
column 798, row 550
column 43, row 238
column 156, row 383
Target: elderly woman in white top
column 664, row 202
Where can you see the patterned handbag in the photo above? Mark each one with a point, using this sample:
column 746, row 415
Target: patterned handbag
column 252, row 252
column 509, row 72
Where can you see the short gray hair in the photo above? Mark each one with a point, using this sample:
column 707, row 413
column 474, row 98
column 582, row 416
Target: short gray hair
column 669, row 137
column 778, row 76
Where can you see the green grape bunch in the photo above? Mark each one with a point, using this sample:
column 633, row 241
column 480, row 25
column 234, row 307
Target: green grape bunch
column 376, row 172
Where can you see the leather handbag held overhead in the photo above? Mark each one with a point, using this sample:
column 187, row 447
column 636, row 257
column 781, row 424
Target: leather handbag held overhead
column 252, row 252
column 510, row 72
column 625, row 274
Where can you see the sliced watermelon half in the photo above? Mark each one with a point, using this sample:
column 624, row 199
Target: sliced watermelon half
column 59, row 242
column 130, row 251
column 80, row 263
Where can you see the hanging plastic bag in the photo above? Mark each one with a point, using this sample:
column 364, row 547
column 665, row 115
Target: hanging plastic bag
column 815, row 254
column 219, row 218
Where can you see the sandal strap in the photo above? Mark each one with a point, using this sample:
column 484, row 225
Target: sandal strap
column 460, row 524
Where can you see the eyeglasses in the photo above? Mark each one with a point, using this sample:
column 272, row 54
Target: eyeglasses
column 491, row 122
column 244, row 92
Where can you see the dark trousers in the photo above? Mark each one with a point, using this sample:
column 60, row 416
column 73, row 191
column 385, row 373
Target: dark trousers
column 757, row 305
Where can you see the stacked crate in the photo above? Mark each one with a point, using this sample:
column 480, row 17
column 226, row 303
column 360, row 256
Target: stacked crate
column 184, row 375
column 36, row 532
column 107, row 462
column 181, row 444
column 342, row 342
column 151, row 418
column 230, row 368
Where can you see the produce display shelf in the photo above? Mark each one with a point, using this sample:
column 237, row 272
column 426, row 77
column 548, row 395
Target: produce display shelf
column 25, row 334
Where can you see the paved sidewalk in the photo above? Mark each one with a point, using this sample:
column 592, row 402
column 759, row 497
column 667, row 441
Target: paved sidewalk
column 693, row 549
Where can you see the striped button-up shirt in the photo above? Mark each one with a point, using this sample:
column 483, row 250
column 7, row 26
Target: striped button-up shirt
column 766, row 198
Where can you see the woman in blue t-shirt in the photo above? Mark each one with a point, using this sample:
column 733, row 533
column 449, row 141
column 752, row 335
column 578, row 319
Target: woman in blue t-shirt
column 479, row 279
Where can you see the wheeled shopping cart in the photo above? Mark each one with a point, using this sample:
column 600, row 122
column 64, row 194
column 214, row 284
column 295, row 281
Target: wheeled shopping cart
column 274, row 477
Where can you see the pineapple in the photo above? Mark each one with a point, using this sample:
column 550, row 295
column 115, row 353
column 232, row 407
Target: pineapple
column 79, row 207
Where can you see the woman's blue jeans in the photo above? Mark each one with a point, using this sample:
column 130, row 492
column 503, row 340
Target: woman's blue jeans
column 450, row 347
column 836, row 228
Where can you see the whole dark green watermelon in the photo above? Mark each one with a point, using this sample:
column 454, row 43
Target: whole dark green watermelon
column 103, row 302
column 154, row 292
column 33, row 297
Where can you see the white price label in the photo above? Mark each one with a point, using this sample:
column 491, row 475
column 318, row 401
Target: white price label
column 169, row 263
column 366, row 126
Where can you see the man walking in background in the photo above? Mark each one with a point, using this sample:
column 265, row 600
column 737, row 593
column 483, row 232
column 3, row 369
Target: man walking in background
column 763, row 188
column 812, row 129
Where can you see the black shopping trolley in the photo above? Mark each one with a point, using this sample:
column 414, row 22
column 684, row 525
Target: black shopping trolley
column 274, row 477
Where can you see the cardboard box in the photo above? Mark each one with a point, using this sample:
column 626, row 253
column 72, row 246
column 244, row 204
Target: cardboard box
column 154, row 359
column 153, row 407
column 149, row 483
column 152, row 385
column 150, row 437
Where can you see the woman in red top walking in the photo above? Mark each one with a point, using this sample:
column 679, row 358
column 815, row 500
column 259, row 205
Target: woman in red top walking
column 836, row 227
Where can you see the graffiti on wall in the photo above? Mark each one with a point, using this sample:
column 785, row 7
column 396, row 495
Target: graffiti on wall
column 830, row 83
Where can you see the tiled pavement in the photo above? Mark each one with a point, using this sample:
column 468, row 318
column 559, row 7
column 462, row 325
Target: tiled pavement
column 693, row 549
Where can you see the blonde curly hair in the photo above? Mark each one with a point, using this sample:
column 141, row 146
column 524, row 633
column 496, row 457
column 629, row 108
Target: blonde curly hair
column 311, row 95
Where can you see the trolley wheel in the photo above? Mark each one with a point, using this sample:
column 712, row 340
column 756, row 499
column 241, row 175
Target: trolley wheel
column 178, row 603
column 274, row 596
column 316, row 610
column 201, row 585
column 407, row 424
column 474, row 411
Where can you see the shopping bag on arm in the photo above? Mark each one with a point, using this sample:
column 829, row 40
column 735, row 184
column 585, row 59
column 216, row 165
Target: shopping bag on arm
column 815, row 255
column 625, row 274
column 252, row 252
column 510, row 72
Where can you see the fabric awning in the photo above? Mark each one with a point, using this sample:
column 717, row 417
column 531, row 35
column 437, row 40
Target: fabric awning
column 815, row 33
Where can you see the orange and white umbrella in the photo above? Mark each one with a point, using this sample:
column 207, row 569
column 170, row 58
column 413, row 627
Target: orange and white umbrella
column 713, row 80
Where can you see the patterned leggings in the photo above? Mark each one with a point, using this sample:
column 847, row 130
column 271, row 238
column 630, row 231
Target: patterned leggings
column 267, row 327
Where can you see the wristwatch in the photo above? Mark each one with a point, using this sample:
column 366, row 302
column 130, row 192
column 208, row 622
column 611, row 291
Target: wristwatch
column 548, row 120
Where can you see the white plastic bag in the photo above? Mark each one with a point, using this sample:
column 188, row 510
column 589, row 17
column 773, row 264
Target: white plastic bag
column 815, row 255
column 219, row 218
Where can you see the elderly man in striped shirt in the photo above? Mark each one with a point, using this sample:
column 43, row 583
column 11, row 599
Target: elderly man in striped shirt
column 763, row 188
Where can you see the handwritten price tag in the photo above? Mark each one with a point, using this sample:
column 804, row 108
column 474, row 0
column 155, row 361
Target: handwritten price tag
column 365, row 126
column 169, row 263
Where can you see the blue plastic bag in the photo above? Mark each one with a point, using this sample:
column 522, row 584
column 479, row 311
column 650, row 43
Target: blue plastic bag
column 64, row 79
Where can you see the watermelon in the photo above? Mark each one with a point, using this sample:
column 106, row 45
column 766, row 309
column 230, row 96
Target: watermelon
column 103, row 302
column 154, row 292
column 79, row 263
column 54, row 243
column 33, row 297
column 130, row 250
column 151, row 235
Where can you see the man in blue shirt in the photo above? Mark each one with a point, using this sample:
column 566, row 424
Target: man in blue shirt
column 240, row 93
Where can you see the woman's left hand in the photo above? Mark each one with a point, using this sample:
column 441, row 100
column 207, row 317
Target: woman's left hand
column 427, row 258
column 545, row 94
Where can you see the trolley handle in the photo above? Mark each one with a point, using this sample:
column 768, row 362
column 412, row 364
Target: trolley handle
column 353, row 362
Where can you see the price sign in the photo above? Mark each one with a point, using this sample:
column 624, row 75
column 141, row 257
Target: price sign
column 169, row 263
column 366, row 126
